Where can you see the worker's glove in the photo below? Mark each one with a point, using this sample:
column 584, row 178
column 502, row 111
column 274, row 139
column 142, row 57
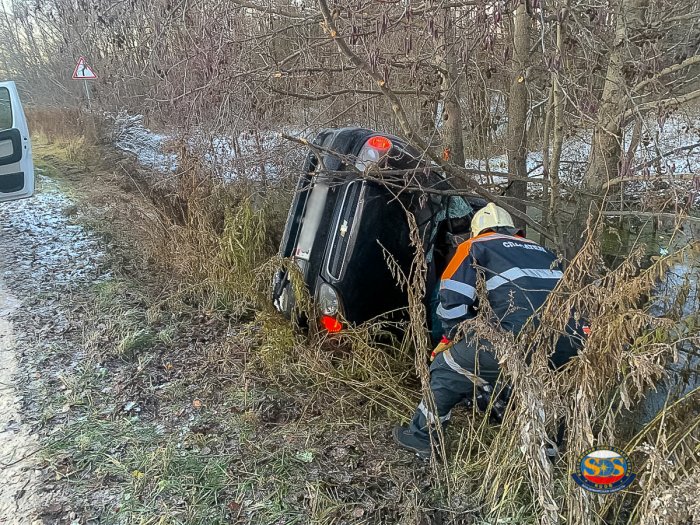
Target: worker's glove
column 443, row 345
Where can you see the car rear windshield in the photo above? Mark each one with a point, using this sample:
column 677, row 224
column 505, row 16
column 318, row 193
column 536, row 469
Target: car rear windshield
column 312, row 219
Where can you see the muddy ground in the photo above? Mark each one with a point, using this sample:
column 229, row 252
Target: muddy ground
column 120, row 403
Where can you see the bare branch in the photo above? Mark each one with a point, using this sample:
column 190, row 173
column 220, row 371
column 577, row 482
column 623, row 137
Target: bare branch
column 636, row 213
column 272, row 10
column 662, row 104
column 664, row 155
column 323, row 96
column 667, row 71
column 413, row 137
column 672, row 177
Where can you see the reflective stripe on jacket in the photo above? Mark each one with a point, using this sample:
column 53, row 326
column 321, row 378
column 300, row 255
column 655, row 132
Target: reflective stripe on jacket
column 518, row 274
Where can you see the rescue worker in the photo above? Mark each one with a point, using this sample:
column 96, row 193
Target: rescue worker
column 519, row 274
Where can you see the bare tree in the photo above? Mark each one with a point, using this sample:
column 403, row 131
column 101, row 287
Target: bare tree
column 451, row 82
column 516, row 146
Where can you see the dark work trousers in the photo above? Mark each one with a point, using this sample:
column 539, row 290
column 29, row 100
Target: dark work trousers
column 450, row 383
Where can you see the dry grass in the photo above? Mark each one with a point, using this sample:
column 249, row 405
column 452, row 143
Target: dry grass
column 504, row 470
column 312, row 414
column 74, row 133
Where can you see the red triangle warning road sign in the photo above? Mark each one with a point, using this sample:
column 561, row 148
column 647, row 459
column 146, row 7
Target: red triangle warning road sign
column 82, row 71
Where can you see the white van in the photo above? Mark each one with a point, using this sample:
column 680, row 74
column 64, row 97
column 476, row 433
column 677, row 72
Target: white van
column 16, row 165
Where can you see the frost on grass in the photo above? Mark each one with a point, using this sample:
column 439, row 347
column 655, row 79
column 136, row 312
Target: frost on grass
column 51, row 249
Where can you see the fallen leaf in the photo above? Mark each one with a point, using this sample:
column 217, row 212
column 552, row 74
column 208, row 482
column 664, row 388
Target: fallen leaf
column 137, row 474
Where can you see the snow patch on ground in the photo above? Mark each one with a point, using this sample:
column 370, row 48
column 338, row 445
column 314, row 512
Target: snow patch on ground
column 251, row 155
column 666, row 150
column 19, row 483
column 575, row 152
column 52, row 249
column 45, row 258
column 668, row 139
column 149, row 147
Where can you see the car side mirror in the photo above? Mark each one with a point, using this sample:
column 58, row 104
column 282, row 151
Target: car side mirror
column 10, row 146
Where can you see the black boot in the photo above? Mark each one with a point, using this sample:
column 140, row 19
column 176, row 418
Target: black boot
column 406, row 438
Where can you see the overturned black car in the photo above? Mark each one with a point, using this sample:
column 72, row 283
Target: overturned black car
column 343, row 226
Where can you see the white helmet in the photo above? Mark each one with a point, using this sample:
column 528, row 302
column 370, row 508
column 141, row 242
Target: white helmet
column 490, row 216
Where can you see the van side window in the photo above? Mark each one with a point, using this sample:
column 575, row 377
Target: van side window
column 5, row 109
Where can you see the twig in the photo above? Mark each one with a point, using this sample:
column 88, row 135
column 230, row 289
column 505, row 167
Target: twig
column 669, row 177
column 271, row 10
column 632, row 213
column 662, row 103
column 667, row 71
column 664, row 155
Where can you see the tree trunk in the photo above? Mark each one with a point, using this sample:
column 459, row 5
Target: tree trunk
column 606, row 149
column 427, row 116
column 558, row 105
column 546, row 140
column 516, row 146
column 451, row 112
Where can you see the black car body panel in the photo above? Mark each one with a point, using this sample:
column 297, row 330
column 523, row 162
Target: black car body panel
column 342, row 227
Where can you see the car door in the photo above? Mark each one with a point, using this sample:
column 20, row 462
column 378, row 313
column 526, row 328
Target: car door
column 16, row 165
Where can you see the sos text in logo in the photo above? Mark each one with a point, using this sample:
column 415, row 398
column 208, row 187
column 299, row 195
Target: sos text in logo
column 604, row 470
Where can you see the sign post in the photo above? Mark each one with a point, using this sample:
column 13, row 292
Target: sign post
column 84, row 72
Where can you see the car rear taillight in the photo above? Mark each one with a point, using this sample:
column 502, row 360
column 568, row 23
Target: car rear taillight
column 331, row 324
column 374, row 151
column 379, row 142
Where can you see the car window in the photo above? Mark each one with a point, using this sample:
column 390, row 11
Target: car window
column 5, row 109
column 458, row 207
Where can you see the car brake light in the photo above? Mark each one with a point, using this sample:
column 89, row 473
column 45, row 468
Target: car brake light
column 374, row 150
column 379, row 142
column 331, row 324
